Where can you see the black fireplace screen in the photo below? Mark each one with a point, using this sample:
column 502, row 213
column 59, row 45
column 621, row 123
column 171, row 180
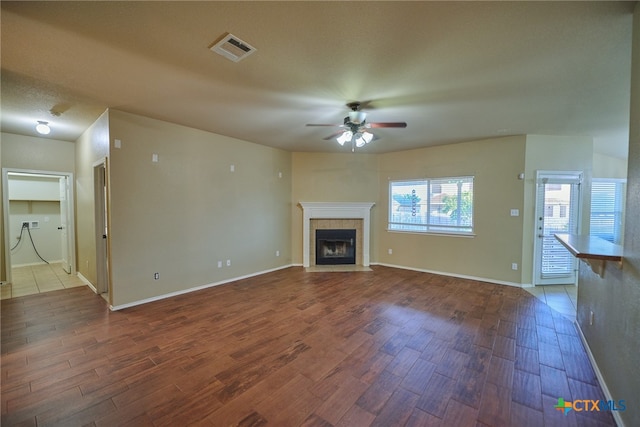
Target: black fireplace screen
column 336, row 246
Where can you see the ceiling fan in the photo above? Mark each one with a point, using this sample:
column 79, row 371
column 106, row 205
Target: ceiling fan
column 355, row 128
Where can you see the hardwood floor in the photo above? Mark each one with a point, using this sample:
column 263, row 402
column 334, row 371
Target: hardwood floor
column 291, row 348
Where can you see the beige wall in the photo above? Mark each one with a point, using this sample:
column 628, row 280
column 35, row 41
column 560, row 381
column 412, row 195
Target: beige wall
column 614, row 337
column 552, row 153
column 32, row 153
column 499, row 240
column 91, row 147
column 180, row 216
column 497, row 243
column 609, row 167
column 332, row 177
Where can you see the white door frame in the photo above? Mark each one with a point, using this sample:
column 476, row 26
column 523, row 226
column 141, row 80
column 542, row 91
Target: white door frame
column 101, row 211
column 537, row 242
column 70, row 214
column 63, row 184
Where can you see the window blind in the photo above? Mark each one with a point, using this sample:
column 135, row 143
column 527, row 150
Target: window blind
column 607, row 200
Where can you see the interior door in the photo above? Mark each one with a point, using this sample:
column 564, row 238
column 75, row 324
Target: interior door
column 64, row 214
column 557, row 211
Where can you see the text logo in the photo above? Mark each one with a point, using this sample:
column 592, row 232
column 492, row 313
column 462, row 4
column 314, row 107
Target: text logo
column 584, row 405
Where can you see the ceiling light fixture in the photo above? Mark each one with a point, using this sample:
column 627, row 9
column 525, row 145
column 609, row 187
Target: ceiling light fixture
column 355, row 128
column 358, row 139
column 43, row 128
column 345, row 136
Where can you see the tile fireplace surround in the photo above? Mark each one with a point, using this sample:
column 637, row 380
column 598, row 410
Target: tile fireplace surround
column 335, row 210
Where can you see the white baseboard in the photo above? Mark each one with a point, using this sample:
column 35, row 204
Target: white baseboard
column 603, row 384
column 194, row 289
column 222, row 282
column 459, row 276
column 31, row 264
column 87, row 282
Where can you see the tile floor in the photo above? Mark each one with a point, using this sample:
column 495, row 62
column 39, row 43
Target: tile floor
column 34, row 279
column 562, row 298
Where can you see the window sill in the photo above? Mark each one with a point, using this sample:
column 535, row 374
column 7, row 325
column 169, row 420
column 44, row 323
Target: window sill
column 434, row 233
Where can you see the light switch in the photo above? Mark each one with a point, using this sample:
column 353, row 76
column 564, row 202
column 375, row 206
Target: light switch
column 232, row 168
column 117, row 143
column 154, row 158
column 515, row 212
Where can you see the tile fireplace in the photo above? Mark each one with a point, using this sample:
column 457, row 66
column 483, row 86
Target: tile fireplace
column 339, row 215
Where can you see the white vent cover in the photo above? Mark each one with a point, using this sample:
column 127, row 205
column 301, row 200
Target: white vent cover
column 231, row 47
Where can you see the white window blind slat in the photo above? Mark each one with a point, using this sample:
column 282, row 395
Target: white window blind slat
column 607, row 200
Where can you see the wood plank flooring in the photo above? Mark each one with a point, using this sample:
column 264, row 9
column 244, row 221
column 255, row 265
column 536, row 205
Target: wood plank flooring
column 290, row 348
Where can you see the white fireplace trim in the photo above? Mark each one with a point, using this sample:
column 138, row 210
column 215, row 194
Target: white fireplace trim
column 336, row 210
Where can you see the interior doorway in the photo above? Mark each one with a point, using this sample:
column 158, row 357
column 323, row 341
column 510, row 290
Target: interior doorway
column 558, row 202
column 102, row 227
column 38, row 219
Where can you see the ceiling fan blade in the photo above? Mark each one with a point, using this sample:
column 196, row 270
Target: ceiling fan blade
column 333, row 135
column 320, row 124
column 388, row 125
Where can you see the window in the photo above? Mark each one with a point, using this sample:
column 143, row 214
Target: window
column 548, row 210
column 607, row 206
column 443, row 205
column 563, row 211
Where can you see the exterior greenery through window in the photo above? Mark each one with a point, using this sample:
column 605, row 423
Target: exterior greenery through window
column 442, row 205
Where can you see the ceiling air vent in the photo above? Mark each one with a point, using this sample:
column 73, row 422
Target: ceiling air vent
column 233, row 48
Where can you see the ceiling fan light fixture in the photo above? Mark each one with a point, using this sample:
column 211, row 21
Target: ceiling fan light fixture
column 355, row 128
column 344, row 137
column 357, row 117
column 363, row 138
column 43, row 128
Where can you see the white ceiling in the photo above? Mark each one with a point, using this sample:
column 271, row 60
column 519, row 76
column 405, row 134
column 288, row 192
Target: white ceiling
column 454, row 71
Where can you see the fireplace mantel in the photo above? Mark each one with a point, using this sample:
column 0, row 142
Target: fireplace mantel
column 336, row 210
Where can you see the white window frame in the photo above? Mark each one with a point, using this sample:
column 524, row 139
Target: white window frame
column 427, row 226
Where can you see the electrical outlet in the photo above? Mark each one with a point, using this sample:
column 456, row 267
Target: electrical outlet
column 390, row 251
column 514, row 266
column 156, row 276
column 277, row 253
column 25, row 224
column 219, row 264
column 228, row 263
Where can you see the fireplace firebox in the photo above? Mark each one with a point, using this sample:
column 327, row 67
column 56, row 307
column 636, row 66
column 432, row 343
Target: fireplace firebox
column 335, row 246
